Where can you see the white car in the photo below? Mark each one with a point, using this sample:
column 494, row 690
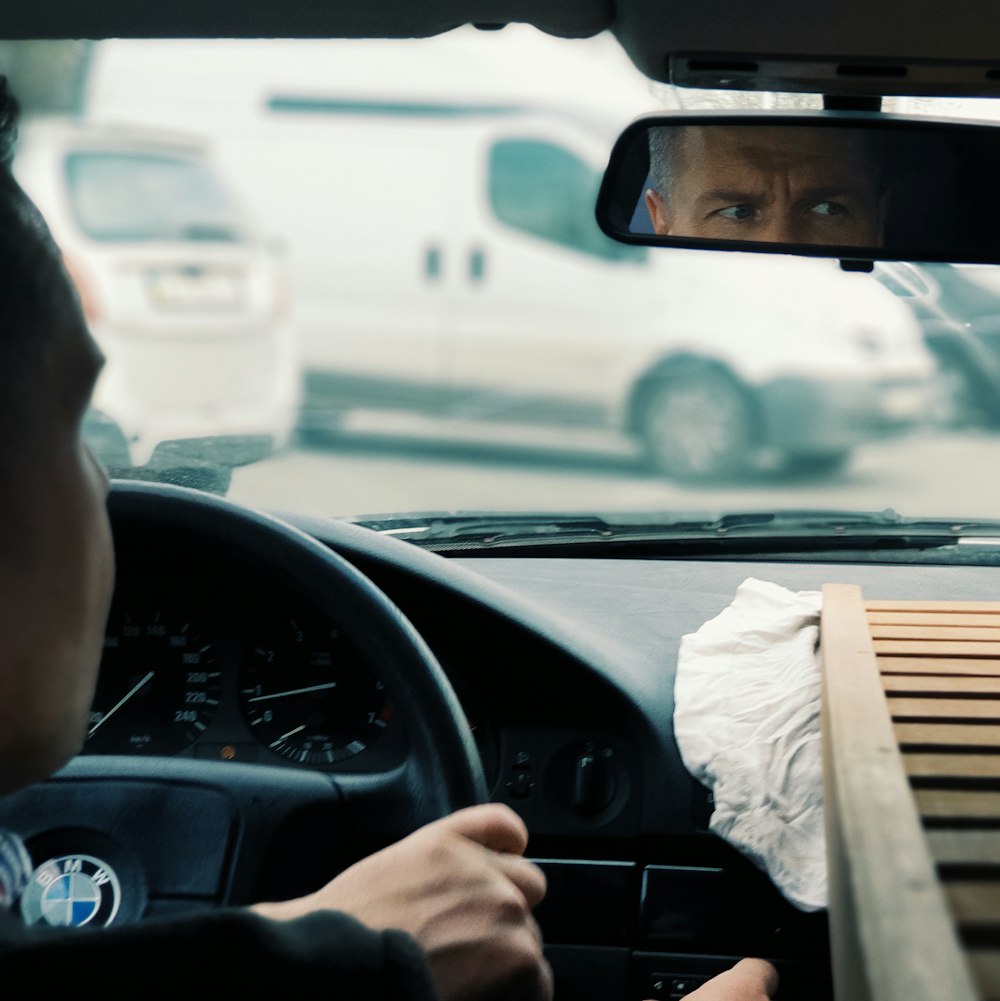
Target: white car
column 188, row 303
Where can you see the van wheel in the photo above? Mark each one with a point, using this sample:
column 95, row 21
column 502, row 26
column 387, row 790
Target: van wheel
column 697, row 426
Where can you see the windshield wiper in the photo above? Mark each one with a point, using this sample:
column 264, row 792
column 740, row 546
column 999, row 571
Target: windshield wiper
column 481, row 529
column 487, row 528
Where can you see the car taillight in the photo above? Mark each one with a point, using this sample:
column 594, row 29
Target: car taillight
column 281, row 295
column 84, row 288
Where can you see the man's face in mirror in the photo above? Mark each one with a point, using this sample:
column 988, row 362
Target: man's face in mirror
column 767, row 183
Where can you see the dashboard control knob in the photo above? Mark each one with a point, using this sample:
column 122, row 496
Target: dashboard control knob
column 593, row 780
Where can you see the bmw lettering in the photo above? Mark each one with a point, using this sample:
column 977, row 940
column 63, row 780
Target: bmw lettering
column 72, row 890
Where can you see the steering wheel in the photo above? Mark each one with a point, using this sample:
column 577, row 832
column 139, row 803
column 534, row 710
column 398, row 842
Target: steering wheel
column 177, row 831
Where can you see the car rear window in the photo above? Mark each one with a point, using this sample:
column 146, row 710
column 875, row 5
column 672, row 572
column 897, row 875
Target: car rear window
column 141, row 196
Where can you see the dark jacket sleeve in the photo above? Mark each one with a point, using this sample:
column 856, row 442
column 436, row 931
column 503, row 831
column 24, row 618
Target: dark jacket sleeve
column 226, row 953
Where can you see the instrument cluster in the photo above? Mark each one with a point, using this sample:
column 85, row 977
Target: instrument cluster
column 212, row 672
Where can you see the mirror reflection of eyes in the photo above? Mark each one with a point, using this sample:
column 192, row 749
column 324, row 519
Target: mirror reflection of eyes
column 829, row 208
column 736, row 213
column 746, row 213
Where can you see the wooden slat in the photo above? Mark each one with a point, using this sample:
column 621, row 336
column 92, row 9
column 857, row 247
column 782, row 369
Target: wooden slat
column 932, row 606
column 985, row 967
column 987, row 667
column 932, row 683
column 892, row 935
column 941, row 660
column 951, row 618
column 959, row 804
column 974, row 901
column 964, row 847
column 960, row 766
column 903, row 707
column 938, row 648
column 949, row 734
column 932, row 631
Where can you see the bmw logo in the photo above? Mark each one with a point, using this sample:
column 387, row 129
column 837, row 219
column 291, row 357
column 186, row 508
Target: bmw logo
column 70, row 891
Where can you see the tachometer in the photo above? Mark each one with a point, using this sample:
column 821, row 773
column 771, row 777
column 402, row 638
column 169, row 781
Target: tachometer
column 309, row 696
column 158, row 687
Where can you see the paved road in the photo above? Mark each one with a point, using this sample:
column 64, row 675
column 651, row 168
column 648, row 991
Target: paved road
column 386, row 465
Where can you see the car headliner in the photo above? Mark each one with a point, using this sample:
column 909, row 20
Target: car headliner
column 836, row 47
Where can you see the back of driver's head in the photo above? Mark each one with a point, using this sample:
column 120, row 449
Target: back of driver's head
column 48, row 360
column 8, row 122
column 33, row 282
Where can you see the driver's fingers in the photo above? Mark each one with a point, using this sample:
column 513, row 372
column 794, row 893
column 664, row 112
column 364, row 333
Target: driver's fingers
column 491, row 825
column 538, row 981
column 525, row 875
column 759, row 972
column 546, row 982
column 748, row 980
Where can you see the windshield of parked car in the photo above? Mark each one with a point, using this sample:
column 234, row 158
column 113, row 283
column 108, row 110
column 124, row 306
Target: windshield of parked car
column 425, row 320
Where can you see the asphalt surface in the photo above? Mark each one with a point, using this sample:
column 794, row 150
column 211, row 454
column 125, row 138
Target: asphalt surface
column 384, row 465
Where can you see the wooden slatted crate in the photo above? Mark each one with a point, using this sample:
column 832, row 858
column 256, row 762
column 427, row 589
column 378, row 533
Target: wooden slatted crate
column 911, row 743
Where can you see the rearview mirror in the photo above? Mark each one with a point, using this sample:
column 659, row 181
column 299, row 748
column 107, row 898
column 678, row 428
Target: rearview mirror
column 854, row 185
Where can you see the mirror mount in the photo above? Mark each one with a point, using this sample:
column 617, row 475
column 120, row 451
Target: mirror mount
column 848, row 102
column 865, row 267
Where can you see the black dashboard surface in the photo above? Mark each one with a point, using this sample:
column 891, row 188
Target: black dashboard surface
column 564, row 668
column 612, row 629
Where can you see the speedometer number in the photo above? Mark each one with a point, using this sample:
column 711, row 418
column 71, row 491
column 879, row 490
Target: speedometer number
column 310, row 697
column 158, row 688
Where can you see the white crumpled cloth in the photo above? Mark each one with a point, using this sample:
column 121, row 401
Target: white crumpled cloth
column 746, row 719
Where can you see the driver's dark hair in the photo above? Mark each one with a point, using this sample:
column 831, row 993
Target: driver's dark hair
column 31, row 270
column 8, row 123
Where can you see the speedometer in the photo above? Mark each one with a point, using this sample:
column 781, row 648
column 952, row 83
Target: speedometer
column 158, row 686
column 309, row 696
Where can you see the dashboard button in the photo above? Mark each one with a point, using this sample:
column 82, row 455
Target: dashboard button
column 671, row 987
column 520, row 785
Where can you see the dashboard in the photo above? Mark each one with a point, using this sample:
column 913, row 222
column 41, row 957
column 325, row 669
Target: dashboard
column 242, row 723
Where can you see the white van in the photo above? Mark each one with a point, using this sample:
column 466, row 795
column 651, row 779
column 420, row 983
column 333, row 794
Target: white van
column 825, row 360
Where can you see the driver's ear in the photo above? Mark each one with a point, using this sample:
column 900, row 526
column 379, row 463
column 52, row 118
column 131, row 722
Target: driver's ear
column 659, row 214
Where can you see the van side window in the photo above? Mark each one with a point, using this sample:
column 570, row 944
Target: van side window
column 546, row 190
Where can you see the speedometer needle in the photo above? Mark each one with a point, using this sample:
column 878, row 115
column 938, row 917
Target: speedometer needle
column 120, row 703
column 294, row 691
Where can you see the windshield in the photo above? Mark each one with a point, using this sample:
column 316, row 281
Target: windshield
column 429, row 321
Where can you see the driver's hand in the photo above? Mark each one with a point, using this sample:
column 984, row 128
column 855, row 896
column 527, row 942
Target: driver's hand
column 748, row 980
column 462, row 888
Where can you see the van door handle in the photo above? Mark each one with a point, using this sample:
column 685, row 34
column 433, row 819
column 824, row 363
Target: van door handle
column 432, row 263
column 477, row 265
